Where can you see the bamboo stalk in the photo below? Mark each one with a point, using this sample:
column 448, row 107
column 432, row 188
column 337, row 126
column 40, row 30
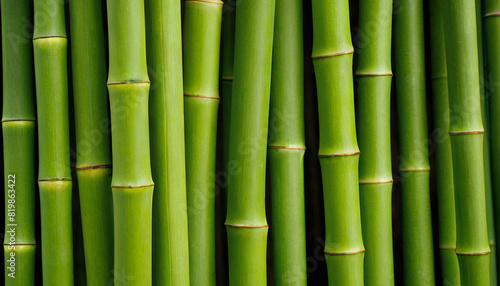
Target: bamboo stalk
column 246, row 222
column 201, row 49
column 374, row 76
column 466, row 135
column 18, row 125
column 338, row 149
column 93, row 166
column 444, row 163
column 491, row 27
column 412, row 124
column 54, row 177
column 132, row 186
column 170, row 224
column 286, row 146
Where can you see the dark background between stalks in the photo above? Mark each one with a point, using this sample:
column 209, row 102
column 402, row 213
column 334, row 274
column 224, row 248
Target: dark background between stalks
column 315, row 230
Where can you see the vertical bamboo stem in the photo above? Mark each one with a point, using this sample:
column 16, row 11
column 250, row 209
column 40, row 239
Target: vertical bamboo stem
column 246, row 216
column 466, row 135
column 132, row 186
column 286, row 146
column 93, row 166
column 374, row 76
column 338, row 149
column 201, row 49
column 18, row 125
column 170, row 223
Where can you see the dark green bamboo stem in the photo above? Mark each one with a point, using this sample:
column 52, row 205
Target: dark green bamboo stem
column 19, row 129
column 412, row 125
column 466, row 135
column 491, row 25
column 93, row 166
column 170, row 224
column 132, row 186
column 444, row 163
column 201, row 49
column 374, row 76
column 246, row 222
column 286, row 146
column 54, row 177
column 338, row 149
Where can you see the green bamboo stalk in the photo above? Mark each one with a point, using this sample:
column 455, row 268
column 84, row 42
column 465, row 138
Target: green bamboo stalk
column 444, row 163
column 412, row 125
column 54, row 177
column 466, row 136
column 132, row 186
column 246, row 222
column 491, row 27
column 286, row 146
column 93, row 166
column 19, row 128
column 170, row 223
column 201, row 49
column 374, row 76
column 338, row 149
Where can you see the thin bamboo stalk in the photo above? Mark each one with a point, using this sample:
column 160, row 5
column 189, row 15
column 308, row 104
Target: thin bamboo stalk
column 54, row 177
column 93, row 166
column 491, row 18
column 338, row 149
column 19, row 129
column 374, row 76
column 246, row 222
column 166, row 118
column 412, row 125
column 286, row 146
column 132, row 186
column 201, row 49
column 466, row 136
column 444, row 163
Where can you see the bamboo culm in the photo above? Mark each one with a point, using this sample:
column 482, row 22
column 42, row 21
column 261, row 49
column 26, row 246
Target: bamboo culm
column 93, row 166
column 201, row 49
column 19, row 129
column 444, row 163
column 246, row 222
column 286, row 146
column 466, row 136
column 338, row 149
column 132, row 185
column 374, row 76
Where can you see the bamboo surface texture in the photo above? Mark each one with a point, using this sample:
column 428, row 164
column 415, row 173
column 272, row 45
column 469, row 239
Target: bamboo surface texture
column 19, row 129
column 166, row 118
column 201, row 49
column 246, row 222
column 338, row 149
column 466, row 136
column 374, row 76
column 286, row 146
column 132, row 185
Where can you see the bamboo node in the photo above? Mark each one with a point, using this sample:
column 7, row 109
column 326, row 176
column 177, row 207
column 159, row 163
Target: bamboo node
column 473, row 253
column 339, row 154
column 132, row 187
column 49, row 37
column 466, row 132
column 245, row 226
column 104, row 166
column 344, row 253
column 129, row 82
column 54, row 179
column 287, row 148
column 201, row 96
column 333, row 55
column 416, row 170
column 18, row 120
column 207, row 1
column 493, row 14
column 227, row 78
column 372, row 74
column 376, row 182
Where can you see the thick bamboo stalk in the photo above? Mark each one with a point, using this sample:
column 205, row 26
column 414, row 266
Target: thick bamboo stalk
column 338, row 149
column 19, row 129
column 374, row 76
column 93, row 166
column 201, row 49
column 170, row 224
column 466, row 136
column 491, row 25
column 246, row 222
column 54, row 177
column 412, row 125
column 286, row 146
column 444, row 163
column 132, row 186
